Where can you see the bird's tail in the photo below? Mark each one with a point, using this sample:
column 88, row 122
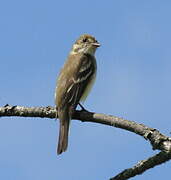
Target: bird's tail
column 64, row 119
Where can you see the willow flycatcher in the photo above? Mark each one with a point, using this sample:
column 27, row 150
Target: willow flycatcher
column 74, row 83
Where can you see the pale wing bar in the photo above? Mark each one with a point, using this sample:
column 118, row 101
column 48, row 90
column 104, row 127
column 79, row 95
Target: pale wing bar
column 80, row 81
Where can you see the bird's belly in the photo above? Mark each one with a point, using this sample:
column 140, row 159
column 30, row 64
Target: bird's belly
column 88, row 88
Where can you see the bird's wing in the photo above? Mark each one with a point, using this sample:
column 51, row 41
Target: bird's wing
column 80, row 73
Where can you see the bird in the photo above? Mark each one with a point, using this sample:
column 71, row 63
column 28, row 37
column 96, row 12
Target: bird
column 74, row 83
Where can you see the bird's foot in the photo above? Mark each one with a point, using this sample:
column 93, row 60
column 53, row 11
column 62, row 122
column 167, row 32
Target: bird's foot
column 82, row 108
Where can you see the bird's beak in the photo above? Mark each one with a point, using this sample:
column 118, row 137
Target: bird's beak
column 96, row 44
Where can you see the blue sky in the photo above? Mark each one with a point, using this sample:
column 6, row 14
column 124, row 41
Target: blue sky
column 133, row 81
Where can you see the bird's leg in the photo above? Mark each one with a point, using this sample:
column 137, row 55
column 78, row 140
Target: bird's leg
column 82, row 108
column 56, row 113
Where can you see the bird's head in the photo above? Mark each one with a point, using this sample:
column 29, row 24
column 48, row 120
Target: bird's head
column 85, row 44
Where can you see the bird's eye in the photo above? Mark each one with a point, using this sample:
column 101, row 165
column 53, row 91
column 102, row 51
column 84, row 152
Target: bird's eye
column 85, row 40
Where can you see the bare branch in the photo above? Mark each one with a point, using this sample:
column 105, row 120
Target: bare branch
column 143, row 166
column 21, row 111
column 157, row 140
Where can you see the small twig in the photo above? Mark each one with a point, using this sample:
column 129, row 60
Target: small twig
column 143, row 166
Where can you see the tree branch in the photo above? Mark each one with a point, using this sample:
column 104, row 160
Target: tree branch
column 157, row 140
column 143, row 165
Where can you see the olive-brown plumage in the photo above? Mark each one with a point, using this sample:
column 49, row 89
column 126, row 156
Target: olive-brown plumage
column 74, row 83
